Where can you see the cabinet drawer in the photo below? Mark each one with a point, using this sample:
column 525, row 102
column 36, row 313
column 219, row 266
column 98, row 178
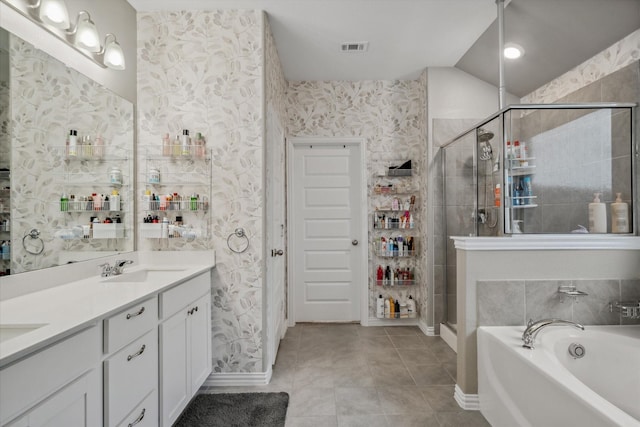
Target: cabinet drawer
column 129, row 376
column 28, row 381
column 145, row 414
column 180, row 296
column 129, row 324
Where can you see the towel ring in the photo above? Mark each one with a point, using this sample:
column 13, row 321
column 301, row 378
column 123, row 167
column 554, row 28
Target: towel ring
column 239, row 232
column 34, row 234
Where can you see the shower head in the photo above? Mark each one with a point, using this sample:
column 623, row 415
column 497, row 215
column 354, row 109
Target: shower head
column 485, row 152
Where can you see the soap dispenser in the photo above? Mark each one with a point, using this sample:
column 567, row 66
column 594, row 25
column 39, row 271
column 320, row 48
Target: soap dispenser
column 597, row 216
column 619, row 215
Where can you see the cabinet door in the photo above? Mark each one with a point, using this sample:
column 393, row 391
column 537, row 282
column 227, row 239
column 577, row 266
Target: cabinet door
column 174, row 364
column 200, row 341
column 77, row 404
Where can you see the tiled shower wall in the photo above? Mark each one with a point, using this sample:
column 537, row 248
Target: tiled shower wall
column 514, row 302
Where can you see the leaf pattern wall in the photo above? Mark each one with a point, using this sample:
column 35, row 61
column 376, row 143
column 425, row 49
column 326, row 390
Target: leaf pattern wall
column 203, row 71
column 391, row 116
column 48, row 99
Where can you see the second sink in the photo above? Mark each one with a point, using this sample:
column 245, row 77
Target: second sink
column 143, row 275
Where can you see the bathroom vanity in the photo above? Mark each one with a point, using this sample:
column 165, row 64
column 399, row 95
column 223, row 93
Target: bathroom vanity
column 122, row 350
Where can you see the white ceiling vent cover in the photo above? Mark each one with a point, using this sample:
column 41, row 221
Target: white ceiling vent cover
column 355, row 47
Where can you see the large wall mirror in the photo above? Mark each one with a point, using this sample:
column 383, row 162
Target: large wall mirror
column 66, row 163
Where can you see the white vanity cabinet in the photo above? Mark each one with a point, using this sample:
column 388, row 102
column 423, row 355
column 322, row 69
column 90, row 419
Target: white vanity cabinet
column 185, row 344
column 131, row 366
column 57, row 386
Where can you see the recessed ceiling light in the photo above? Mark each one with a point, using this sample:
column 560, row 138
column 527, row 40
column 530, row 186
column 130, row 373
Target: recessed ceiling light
column 513, row 51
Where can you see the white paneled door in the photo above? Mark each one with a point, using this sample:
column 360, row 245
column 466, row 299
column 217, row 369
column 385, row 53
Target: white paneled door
column 326, row 231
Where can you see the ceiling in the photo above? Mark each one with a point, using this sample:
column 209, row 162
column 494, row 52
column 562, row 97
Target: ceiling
column 406, row 36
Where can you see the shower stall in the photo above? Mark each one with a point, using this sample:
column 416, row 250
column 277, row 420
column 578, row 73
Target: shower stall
column 534, row 169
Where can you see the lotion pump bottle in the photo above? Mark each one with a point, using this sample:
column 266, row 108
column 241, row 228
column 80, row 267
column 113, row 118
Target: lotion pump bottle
column 619, row 216
column 597, row 215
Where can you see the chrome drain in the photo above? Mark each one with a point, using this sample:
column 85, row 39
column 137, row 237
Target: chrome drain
column 577, row 351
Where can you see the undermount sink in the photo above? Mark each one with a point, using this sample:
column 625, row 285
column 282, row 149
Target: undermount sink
column 144, row 275
column 8, row 332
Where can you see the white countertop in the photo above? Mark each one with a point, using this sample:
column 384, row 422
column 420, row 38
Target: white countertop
column 68, row 308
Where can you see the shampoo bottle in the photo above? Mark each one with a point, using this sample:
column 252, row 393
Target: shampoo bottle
column 411, row 306
column 597, row 216
column 387, row 308
column 380, row 307
column 392, row 308
column 619, row 216
column 73, row 142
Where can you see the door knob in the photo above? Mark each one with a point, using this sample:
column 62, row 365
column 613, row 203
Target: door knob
column 354, row 242
column 276, row 252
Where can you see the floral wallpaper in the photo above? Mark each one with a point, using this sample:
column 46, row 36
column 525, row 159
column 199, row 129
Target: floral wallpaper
column 391, row 115
column 203, row 71
column 48, row 99
column 619, row 55
column 275, row 125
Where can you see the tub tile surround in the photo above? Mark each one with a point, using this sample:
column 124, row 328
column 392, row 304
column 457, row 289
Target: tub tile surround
column 514, row 302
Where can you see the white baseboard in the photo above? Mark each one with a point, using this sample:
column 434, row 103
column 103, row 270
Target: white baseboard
column 429, row 331
column 449, row 336
column 234, row 379
column 374, row 321
column 468, row 402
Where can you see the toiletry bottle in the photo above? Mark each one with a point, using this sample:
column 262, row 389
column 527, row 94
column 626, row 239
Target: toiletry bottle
column 64, row 203
column 516, row 150
column 166, row 145
column 411, row 223
column 114, row 202
column 185, row 143
column 527, row 190
column 597, row 216
column 194, row 202
column 98, row 148
column 387, row 276
column 392, row 308
column 115, row 176
column 73, row 142
column 387, row 308
column 411, row 306
column 524, row 154
column 496, row 196
column 380, row 307
column 146, row 200
column 379, row 276
column 97, row 201
column 619, row 215
column 164, row 230
column 396, row 309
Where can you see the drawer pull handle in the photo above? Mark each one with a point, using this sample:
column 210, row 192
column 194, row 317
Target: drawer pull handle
column 137, row 420
column 129, row 315
column 136, row 354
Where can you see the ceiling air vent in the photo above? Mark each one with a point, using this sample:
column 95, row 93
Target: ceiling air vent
column 355, row 47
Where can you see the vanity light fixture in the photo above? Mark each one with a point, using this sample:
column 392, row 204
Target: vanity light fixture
column 53, row 12
column 513, row 51
column 53, row 16
column 85, row 33
column 112, row 55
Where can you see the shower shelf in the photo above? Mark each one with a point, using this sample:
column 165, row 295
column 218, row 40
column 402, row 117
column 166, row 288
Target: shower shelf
column 627, row 309
column 524, row 206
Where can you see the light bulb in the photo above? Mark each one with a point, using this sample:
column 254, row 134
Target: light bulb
column 113, row 55
column 513, row 51
column 54, row 13
column 86, row 33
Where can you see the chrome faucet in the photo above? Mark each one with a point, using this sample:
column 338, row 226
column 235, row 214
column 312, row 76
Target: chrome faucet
column 118, row 267
column 107, row 270
column 533, row 328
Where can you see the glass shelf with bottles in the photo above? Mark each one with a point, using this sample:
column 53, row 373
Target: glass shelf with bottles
column 395, row 169
column 91, row 204
column 394, row 276
column 388, row 308
column 391, row 189
column 174, row 202
column 395, row 246
column 92, row 153
column 520, row 192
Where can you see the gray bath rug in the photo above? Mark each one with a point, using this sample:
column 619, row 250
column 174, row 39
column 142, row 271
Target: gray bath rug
column 235, row 410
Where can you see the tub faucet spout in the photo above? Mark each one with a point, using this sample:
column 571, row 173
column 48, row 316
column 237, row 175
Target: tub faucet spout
column 533, row 328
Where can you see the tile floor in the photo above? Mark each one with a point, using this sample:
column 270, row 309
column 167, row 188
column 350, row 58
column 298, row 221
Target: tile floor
column 348, row 375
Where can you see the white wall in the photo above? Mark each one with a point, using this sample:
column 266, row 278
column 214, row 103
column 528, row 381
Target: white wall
column 113, row 16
